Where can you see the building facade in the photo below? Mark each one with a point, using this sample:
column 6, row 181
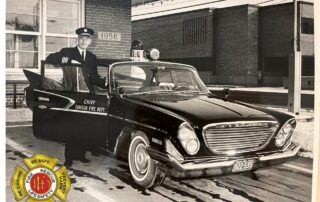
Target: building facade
column 36, row 28
column 244, row 45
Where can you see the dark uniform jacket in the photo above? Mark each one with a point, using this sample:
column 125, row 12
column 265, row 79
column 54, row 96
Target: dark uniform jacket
column 75, row 150
column 89, row 65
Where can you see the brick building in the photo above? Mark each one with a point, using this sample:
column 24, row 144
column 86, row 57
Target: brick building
column 245, row 45
column 36, row 28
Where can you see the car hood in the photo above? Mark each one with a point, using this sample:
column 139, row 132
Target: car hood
column 201, row 109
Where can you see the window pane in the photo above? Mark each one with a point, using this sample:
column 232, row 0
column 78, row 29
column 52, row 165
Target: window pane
column 62, row 17
column 10, row 59
column 61, row 26
column 17, row 59
column 23, row 17
column 62, row 9
column 54, row 44
column 28, row 60
column 307, row 26
column 307, row 66
column 21, row 42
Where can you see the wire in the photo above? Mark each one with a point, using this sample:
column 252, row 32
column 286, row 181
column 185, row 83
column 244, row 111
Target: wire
column 178, row 8
column 264, row 2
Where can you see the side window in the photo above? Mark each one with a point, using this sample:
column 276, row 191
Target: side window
column 129, row 77
column 64, row 78
column 103, row 71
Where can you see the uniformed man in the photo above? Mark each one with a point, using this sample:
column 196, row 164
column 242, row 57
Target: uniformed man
column 78, row 55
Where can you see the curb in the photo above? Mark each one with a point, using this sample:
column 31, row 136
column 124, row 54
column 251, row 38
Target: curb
column 18, row 115
column 305, row 119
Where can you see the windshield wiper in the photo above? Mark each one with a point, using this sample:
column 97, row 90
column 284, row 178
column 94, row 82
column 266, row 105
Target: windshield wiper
column 151, row 92
column 193, row 92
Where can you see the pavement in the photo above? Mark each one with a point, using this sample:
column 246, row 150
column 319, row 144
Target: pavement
column 108, row 179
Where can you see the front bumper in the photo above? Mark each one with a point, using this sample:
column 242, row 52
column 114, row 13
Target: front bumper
column 218, row 165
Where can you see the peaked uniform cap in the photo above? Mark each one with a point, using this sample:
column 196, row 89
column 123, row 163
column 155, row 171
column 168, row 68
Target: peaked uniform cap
column 84, row 31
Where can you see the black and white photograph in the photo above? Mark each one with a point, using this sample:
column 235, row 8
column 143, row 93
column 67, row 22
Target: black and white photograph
column 161, row 100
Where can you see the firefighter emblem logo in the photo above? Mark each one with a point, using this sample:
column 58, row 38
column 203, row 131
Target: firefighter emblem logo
column 40, row 182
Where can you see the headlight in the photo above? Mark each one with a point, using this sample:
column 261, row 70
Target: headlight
column 188, row 139
column 285, row 133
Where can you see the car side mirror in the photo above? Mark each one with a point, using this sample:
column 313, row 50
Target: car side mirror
column 121, row 90
column 226, row 93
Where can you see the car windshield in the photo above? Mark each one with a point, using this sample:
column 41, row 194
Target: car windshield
column 143, row 78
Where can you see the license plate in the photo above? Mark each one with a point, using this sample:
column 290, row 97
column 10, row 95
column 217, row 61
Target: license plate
column 243, row 165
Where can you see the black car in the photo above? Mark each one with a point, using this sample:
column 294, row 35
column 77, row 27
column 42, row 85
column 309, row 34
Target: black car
column 161, row 117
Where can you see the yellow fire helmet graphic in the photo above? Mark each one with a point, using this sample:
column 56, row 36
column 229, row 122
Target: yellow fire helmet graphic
column 40, row 182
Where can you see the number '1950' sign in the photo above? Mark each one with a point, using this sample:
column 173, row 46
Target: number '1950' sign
column 109, row 36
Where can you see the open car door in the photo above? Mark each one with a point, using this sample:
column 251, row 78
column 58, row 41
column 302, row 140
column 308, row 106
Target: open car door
column 65, row 109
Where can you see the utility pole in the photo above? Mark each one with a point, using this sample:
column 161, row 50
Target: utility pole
column 294, row 81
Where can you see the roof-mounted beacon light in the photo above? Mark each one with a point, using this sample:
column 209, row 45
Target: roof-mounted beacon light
column 137, row 52
column 153, row 54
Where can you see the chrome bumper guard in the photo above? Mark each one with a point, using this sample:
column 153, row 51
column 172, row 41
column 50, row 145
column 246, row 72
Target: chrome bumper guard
column 217, row 166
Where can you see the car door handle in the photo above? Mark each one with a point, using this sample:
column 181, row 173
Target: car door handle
column 44, row 99
column 42, row 107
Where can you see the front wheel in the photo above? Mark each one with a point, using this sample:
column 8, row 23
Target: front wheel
column 143, row 169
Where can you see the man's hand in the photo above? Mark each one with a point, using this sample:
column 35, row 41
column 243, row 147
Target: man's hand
column 75, row 62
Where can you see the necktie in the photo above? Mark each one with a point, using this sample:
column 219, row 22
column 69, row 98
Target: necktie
column 82, row 56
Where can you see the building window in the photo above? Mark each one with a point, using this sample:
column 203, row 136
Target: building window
column 36, row 28
column 23, row 30
column 195, row 31
column 276, row 65
column 307, row 26
column 307, row 66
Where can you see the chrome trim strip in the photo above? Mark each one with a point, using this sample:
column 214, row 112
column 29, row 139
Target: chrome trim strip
column 80, row 111
column 137, row 123
column 71, row 101
column 235, row 122
column 115, row 148
column 291, row 152
column 157, row 141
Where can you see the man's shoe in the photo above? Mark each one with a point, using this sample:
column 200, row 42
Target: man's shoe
column 84, row 160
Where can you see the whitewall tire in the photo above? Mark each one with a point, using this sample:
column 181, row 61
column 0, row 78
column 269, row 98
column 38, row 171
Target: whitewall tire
column 143, row 169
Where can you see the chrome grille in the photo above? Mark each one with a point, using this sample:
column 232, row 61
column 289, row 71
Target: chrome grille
column 238, row 137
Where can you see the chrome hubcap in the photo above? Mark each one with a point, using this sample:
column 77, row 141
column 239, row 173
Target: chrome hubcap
column 141, row 159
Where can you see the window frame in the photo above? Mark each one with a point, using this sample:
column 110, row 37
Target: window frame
column 42, row 34
column 59, row 69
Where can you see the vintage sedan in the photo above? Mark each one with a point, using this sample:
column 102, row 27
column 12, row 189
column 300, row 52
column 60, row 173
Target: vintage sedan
column 161, row 117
